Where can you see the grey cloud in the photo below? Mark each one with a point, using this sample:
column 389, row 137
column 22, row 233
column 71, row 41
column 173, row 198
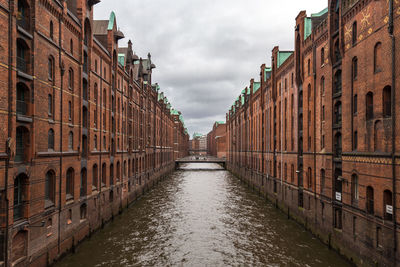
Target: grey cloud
column 206, row 51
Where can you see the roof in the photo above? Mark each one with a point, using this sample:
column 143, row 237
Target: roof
column 219, row 123
column 307, row 27
column 321, row 13
column 111, row 21
column 256, row 86
column 283, row 56
column 100, row 27
column 121, row 59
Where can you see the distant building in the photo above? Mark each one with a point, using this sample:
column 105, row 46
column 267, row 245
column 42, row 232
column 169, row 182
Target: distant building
column 198, row 145
column 216, row 140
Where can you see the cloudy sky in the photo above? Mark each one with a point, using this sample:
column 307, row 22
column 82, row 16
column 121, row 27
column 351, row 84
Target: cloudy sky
column 206, row 51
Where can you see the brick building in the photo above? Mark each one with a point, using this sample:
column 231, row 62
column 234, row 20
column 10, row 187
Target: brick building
column 317, row 133
column 198, row 144
column 216, row 140
column 84, row 131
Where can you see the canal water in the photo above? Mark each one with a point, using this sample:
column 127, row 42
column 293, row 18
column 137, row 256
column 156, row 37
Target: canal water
column 200, row 217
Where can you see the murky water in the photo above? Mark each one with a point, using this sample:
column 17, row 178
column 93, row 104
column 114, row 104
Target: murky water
column 202, row 218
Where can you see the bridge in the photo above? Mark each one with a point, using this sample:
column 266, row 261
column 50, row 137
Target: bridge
column 200, row 159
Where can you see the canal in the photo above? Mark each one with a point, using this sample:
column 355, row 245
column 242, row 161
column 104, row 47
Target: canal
column 199, row 217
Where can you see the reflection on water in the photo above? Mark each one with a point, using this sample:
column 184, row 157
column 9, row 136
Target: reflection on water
column 202, row 218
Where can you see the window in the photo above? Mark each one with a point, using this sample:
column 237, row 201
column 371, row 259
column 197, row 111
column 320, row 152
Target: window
column 355, row 68
column 322, row 85
column 70, row 141
column 50, row 139
column 22, row 140
column 19, row 197
column 22, row 99
column 70, row 184
column 322, row 56
column 70, row 79
column 387, row 205
column 51, row 30
column 355, row 140
column 50, row 68
column 83, row 211
column 95, row 176
column 104, row 143
column 95, row 142
column 323, row 113
column 378, row 57
column 69, row 110
column 323, row 141
column 338, row 113
column 354, row 188
column 83, row 185
column 355, row 104
column 354, row 33
column 308, row 67
column 50, row 105
column 71, row 46
column 309, row 176
column 49, row 188
column 369, row 106
column 337, row 83
column 111, row 174
column 103, row 175
column 95, row 65
column 370, row 200
column 387, row 104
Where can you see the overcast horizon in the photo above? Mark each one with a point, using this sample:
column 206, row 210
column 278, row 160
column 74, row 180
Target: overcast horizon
column 206, row 51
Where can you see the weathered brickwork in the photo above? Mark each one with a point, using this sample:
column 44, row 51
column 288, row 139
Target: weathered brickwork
column 317, row 134
column 84, row 130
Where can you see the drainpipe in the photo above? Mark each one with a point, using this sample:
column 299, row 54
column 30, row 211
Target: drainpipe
column 10, row 101
column 62, row 71
column 393, row 110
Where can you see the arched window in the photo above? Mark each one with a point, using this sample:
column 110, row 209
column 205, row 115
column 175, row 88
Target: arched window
column 118, row 171
column 387, row 205
column 354, row 33
column 387, row 102
column 309, row 176
column 69, row 110
column 51, row 30
column 378, row 57
column 83, row 211
column 355, row 140
column 370, row 200
column 95, row 142
column 71, row 46
column 111, row 174
column 50, row 189
column 354, row 188
column 369, row 103
column 83, row 185
column 71, row 79
column 70, row 184
column 22, row 56
column 354, row 68
column 71, row 140
column 95, row 176
column 322, row 84
column 50, row 139
column 50, row 68
column 322, row 56
column 50, row 105
column 308, row 67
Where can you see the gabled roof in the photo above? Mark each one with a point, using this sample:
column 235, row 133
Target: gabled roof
column 100, row 27
column 256, row 86
column 267, row 74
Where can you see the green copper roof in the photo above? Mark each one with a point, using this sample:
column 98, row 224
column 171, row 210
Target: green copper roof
column 283, row 56
column 121, row 59
column 219, row 122
column 168, row 106
column 242, row 100
column 195, row 135
column 256, row 86
column 174, row 111
column 111, row 21
column 307, row 27
column 267, row 73
column 321, row 13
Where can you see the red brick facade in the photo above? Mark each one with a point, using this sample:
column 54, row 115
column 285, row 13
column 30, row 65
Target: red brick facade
column 84, row 131
column 317, row 134
column 216, row 140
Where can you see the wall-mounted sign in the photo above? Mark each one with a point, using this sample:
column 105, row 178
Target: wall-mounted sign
column 338, row 196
